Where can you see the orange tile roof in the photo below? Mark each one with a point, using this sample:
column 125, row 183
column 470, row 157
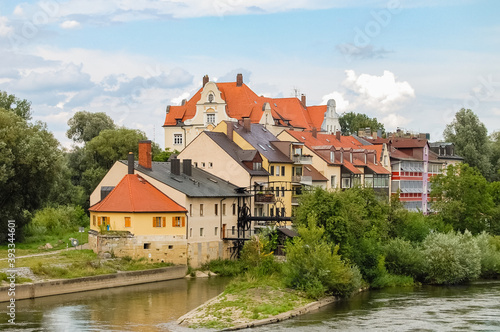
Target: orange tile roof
column 242, row 102
column 134, row 194
column 378, row 169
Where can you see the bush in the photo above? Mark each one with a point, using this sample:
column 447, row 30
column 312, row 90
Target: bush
column 257, row 257
column 225, row 267
column 385, row 279
column 57, row 220
column 314, row 267
column 490, row 255
column 403, row 258
column 451, row 258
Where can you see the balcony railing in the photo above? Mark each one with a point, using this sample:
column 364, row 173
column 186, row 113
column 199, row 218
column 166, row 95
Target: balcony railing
column 302, row 159
column 307, row 180
column 264, row 198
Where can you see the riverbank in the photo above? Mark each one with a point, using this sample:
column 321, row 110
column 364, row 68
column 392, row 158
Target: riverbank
column 251, row 302
column 75, row 285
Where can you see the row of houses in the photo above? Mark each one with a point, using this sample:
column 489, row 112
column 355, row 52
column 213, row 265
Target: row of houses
column 244, row 161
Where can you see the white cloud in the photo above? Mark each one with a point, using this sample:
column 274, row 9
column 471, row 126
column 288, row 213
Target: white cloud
column 393, row 121
column 70, row 24
column 178, row 100
column 342, row 104
column 5, row 28
column 384, row 92
column 18, row 11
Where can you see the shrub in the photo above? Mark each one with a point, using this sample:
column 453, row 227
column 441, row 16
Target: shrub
column 225, row 267
column 385, row 279
column 403, row 258
column 257, row 257
column 57, row 220
column 490, row 255
column 314, row 267
column 451, row 258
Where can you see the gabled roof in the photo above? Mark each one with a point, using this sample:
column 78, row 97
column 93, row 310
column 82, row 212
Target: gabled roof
column 401, row 143
column 242, row 102
column 199, row 184
column 235, row 151
column 135, row 194
column 260, row 138
column 378, row 169
column 309, row 170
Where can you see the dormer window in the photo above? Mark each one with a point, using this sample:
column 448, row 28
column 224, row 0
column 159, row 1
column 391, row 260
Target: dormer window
column 210, row 97
column 332, row 156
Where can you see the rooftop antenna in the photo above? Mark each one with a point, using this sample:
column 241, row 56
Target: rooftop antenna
column 296, row 92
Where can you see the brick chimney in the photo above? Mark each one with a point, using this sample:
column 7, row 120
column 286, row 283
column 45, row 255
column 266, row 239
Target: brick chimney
column 315, row 132
column 130, row 163
column 247, row 124
column 338, row 134
column 230, row 129
column 374, row 135
column 145, row 159
column 205, row 80
column 239, row 79
column 303, row 100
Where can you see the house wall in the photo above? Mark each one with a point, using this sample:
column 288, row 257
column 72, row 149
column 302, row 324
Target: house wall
column 169, row 137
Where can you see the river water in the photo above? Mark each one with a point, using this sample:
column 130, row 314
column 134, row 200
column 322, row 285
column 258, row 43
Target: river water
column 155, row 307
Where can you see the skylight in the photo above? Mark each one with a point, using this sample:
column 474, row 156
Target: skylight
column 269, row 145
column 262, row 147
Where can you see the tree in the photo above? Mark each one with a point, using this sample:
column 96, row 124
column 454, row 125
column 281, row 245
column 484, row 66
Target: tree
column 462, row 197
column 84, row 126
column 495, row 155
column 31, row 165
column 351, row 122
column 470, row 137
column 20, row 107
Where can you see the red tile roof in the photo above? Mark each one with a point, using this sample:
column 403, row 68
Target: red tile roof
column 399, row 142
column 134, row 194
column 242, row 102
column 378, row 169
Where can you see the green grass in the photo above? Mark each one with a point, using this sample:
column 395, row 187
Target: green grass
column 59, row 241
column 225, row 267
column 80, row 263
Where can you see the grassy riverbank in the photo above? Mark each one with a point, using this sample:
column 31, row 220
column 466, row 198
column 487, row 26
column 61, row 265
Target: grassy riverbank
column 76, row 264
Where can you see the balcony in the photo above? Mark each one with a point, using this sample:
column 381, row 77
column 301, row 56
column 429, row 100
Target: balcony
column 306, row 180
column 264, row 198
column 295, row 200
column 302, row 159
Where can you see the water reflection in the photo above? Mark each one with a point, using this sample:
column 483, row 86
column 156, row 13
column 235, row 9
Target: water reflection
column 148, row 307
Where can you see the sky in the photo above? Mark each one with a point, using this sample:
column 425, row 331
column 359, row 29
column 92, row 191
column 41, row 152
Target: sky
column 410, row 64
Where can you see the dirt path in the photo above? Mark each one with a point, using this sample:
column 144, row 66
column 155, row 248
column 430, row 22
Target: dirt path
column 85, row 246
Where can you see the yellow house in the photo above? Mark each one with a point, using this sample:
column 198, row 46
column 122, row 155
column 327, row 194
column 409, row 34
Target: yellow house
column 136, row 219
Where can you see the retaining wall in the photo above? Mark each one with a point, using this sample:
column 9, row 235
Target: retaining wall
column 65, row 286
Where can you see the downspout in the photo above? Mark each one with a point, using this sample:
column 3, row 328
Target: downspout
column 220, row 227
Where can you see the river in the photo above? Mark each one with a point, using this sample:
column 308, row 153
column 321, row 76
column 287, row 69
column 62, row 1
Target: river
column 155, row 307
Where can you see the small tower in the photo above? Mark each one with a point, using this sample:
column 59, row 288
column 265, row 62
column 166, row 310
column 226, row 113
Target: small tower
column 331, row 123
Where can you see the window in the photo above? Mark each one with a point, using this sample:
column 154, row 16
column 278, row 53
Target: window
column 177, row 139
column 157, row 221
column 233, row 229
column 203, row 165
column 223, row 209
column 277, row 191
column 282, row 170
column 282, row 191
column 216, row 209
column 94, row 220
column 147, row 245
column 190, row 232
column 201, row 231
column 234, row 209
column 103, row 220
column 190, row 210
column 211, row 118
column 201, row 209
column 333, row 182
column 176, row 222
column 332, row 156
column 216, row 230
column 127, row 222
column 272, row 170
column 195, row 164
column 346, row 182
column 369, row 180
column 257, row 166
column 282, row 211
column 277, row 170
column 170, row 246
column 210, row 165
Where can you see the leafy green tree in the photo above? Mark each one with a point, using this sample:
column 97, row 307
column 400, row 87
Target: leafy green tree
column 314, row 266
column 164, row 155
column 351, row 122
column 470, row 137
column 31, row 165
column 84, row 126
column 495, row 155
column 463, row 198
column 20, row 107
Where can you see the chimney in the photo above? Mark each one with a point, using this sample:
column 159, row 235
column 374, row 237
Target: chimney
column 187, row 167
column 145, row 159
column 374, row 135
column 205, row 80
column 175, row 166
column 168, row 109
column 130, row 163
column 315, row 132
column 230, row 129
column 247, row 124
column 303, row 100
column 239, row 80
column 184, row 101
column 338, row 135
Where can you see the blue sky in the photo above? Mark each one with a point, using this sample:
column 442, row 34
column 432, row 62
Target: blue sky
column 411, row 64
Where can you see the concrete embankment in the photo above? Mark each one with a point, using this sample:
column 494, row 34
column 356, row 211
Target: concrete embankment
column 65, row 286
